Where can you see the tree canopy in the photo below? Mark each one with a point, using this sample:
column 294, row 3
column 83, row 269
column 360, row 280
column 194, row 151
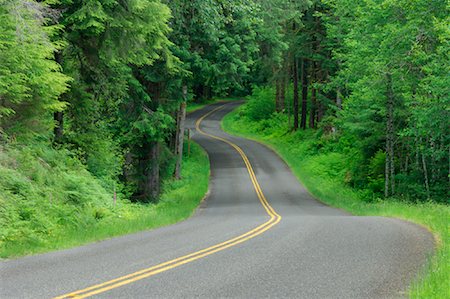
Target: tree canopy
column 104, row 80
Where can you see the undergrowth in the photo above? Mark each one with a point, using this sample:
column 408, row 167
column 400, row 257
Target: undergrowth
column 48, row 201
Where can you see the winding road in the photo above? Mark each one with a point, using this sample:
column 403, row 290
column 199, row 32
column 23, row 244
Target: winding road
column 258, row 234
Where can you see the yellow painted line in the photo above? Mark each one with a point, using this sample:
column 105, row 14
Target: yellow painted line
column 130, row 278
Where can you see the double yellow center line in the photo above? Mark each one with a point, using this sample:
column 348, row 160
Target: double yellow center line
column 274, row 218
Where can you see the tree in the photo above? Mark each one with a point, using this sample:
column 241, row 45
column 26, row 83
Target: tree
column 30, row 81
column 217, row 42
column 385, row 58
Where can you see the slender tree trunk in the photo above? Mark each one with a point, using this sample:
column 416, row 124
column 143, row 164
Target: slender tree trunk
column 339, row 98
column 174, row 136
column 295, row 75
column 386, row 173
column 180, row 139
column 442, row 159
column 390, row 169
column 338, row 89
column 208, row 93
column 312, row 109
column 417, row 145
column 127, row 167
column 283, row 91
column 150, row 160
column 425, row 174
column 320, row 111
column 304, row 92
column 321, row 108
column 58, row 131
column 278, row 95
column 400, row 158
column 433, row 161
column 153, row 183
column 392, row 163
column 287, row 79
column 312, row 115
column 407, row 160
column 58, row 117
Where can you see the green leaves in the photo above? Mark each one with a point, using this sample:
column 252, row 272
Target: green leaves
column 397, row 38
column 116, row 68
column 91, row 18
column 30, row 80
column 217, row 41
column 152, row 125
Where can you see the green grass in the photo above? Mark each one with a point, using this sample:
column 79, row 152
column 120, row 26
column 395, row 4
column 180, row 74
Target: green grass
column 322, row 174
column 33, row 222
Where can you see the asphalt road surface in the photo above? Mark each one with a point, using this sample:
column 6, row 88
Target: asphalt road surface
column 258, row 234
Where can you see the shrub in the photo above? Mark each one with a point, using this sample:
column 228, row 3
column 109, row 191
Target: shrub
column 260, row 104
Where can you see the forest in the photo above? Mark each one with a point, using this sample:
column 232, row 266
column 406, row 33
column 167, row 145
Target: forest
column 93, row 93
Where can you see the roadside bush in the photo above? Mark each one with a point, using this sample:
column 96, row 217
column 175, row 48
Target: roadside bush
column 49, row 200
column 43, row 190
column 260, row 104
column 99, row 152
column 376, row 172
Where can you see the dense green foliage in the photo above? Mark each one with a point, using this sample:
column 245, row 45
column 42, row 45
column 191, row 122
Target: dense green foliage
column 217, row 42
column 49, row 200
column 373, row 78
column 30, row 79
column 397, row 88
column 89, row 92
column 322, row 171
column 103, row 79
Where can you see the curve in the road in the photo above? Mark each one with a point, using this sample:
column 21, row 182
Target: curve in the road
column 274, row 219
column 316, row 251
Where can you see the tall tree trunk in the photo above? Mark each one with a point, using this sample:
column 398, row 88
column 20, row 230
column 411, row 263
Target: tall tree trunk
column 433, row 160
column 208, row 93
column 425, row 175
column 321, row 108
column 339, row 98
column 386, row 173
column 152, row 186
column 389, row 167
column 278, row 104
column 304, row 92
column 312, row 109
column 287, row 78
column 150, row 159
column 283, row 92
column 180, row 139
column 312, row 114
column 295, row 75
column 58, row 131
column 320, row 111
column 417, row 145
column 58, row 117
column 339, row 90
column 407, row 159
